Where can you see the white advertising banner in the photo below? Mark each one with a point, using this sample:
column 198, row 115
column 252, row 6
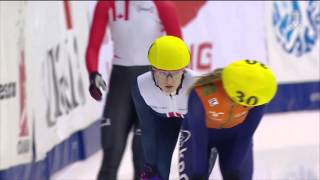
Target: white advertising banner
column 212, row 42
column 219, row 32
column 57, row 72
column 15, row 122
column 293, row 38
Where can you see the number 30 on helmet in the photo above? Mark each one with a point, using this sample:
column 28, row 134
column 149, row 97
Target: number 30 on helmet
column 249, row 82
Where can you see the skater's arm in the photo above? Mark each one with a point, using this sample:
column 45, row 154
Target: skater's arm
column 147, row 124
column 169, row 17
column 237, row 153
column 97, row 32
column 252, row 120
column 193, row 141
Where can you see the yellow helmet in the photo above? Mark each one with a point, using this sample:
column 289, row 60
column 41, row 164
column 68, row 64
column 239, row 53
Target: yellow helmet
column 249, row 82
column 169, row 53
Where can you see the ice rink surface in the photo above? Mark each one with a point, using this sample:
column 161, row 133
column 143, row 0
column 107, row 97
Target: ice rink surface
column 286, row 146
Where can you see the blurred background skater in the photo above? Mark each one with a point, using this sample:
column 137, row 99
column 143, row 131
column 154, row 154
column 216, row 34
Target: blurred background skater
column 161, row 102
column 134, row 25
column 224, row 110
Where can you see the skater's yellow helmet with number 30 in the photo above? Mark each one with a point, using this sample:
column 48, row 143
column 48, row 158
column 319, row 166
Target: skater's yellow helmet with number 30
column 169, row 53
column 249, row 82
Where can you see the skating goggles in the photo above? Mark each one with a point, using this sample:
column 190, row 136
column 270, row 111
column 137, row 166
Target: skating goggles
column 168, row 73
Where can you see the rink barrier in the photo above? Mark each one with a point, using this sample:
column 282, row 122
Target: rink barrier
column 82, row 144
column 78, row 146
column 296, row 97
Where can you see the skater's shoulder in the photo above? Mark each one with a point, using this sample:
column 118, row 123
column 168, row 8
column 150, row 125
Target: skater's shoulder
column 145, row 77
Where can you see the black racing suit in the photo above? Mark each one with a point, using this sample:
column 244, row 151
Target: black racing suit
column 119, row 117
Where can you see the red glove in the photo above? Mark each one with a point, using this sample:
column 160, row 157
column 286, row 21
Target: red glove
column 96, row 82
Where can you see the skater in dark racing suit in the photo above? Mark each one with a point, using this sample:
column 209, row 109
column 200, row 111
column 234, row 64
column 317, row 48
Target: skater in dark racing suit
column 224, row 110
column 161, row 103
column 134, row 25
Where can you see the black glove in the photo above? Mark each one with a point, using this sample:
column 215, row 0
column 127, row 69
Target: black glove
column 149, row 172
column 96, row 82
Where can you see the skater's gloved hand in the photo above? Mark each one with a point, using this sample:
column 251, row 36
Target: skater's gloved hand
column 96, row 82
column 149, row 172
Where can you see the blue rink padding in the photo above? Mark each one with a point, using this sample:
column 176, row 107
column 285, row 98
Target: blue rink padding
column 78, row 146
column 295, row 97
column 82, row 144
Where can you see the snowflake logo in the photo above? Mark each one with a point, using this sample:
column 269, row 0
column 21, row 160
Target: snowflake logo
column 296, row 25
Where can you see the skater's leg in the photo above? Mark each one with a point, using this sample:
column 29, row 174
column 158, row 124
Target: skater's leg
column 167, row 140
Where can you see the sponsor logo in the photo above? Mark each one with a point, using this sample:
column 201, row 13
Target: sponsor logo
column 315, row 96
column 140, row 8
column 201, row 56
column 138, row 132
column 62, row 83
column 7, row 90
column 238, row 115
column 23, row 121
column 23, row 146
column 24, row 142
column 213, row 102
column 184, row 137
column 215, row 116
column 208, row 89
column 105, row 122
column 182, row 165
column 296, row 25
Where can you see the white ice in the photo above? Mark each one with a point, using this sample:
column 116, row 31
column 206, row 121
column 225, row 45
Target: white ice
column 286, row 146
